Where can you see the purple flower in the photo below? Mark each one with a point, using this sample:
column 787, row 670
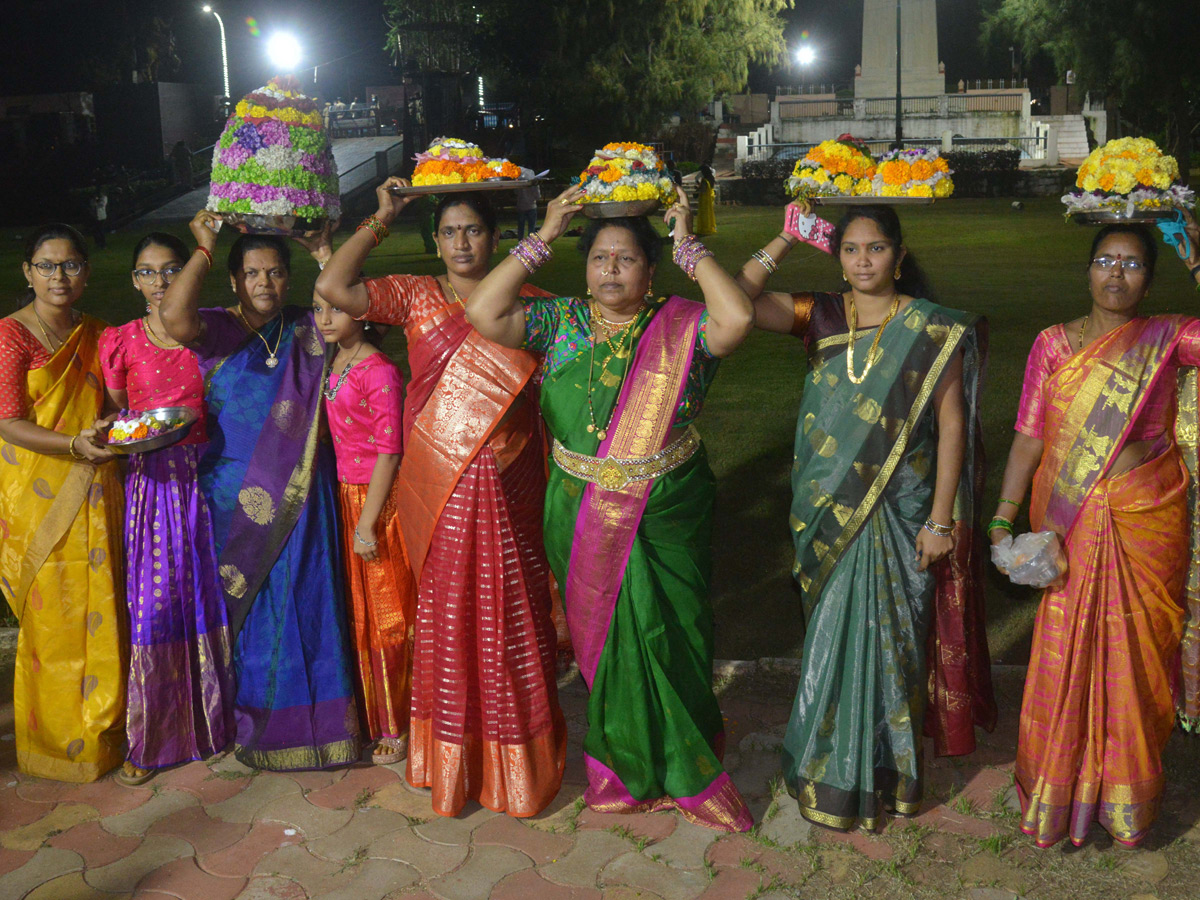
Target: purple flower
column 274, row 133
column 234, row 156
column 249, row 138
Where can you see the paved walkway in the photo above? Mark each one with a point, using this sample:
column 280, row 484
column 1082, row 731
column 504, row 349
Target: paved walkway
column 217, row 830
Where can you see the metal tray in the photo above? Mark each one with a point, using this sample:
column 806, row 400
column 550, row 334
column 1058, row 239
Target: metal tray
column 281, row 226
column 492, row 184
column 871, row 201
column 166, row 439
column 616, row 209
column 1109, row 217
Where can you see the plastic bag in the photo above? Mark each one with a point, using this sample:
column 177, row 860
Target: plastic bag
column 1034, row 558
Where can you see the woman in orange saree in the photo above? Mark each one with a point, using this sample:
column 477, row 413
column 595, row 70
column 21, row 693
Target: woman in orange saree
column 60, row 518
column 486, row 723
column 1096, row 437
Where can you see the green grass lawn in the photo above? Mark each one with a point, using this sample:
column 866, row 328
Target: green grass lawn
column 1023, row 270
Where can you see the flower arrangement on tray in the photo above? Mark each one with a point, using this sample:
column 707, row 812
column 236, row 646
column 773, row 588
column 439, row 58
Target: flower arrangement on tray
column 912, row 172
column 274, row 158
column 624, row 171
column 453, row 161
column 135, row 426
column 837, row 168
column 1127, row 176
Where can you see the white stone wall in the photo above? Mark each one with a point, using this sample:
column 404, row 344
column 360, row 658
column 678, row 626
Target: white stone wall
column 919, row 74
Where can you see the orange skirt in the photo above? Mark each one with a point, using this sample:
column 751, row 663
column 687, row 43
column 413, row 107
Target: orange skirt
column 381, row 599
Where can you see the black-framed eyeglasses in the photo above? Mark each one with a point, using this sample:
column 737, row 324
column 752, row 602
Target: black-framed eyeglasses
column 71, row 268
column 1126, row 265
column 149, row 276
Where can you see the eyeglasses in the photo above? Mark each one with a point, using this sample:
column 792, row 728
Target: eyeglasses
column 1126, row 265
column 149, row 276
column 70, row 267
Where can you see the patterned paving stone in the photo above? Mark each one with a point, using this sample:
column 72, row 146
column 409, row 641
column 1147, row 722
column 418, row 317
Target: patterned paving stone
column 431, row 860
column 264, row 789
column 60, row 818
column 732, row 884
column 366, row 880
column 686, row 846
column 204, row 833
column 456, row 830
column 528, row 885
column 869, row 845
column 729, row 850
column 71, row 887
column 397, row 798
column 593, row 850
column 299, row 813
column 563, row 809
column 124, row 874
column 208, row 786
column 228, row 763
column 652, row 826
column 485, row 867
column 243, row 857
column 184, row 880
column 354, row 789
column 1150, row 867
column 15, row 812
column 367, row 826
column 505, row 831
column 787, row 827
column 945, row 819
column 109, row 797
column 95, row 845
column 317, row 780
column 45, row 865
column 273, row 888
column 985, row 870
column 13, row 859
column 138, row 821
column 624, row 892
column 639, row 871
column 376, row 879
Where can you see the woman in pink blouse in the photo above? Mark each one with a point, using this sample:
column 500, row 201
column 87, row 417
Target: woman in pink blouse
column 1096, row 437
column 180, row 687
column 364, row 399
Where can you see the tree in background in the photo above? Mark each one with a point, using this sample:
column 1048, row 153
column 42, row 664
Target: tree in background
column 1142, row 53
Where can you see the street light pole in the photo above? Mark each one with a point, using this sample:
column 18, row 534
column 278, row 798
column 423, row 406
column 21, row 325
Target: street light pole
column 224, row 52
column 899, row 97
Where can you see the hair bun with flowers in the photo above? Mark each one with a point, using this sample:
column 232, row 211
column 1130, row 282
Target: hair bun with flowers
column 273, row 157
column 623, row 171
column 453, row 161
column 1127, row 175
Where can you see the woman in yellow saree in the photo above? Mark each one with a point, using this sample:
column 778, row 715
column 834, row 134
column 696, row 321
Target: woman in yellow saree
column 1096, row 438
column 60, row 518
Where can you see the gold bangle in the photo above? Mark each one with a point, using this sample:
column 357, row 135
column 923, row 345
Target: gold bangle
column 72, row 451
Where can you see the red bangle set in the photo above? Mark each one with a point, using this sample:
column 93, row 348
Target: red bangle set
column 207, row 254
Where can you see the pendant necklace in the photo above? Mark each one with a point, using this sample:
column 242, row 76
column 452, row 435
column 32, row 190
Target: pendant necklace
column 155, row 339
column 457, row 299
column 331, row 393
column 272, row 355
column 1083, row 328
column 625, row 329
column 872, row 354
column 42, row 326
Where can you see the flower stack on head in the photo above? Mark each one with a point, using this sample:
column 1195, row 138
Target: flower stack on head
column 453, row 161
column 624, row 171
column 1127, row 176
column 913, row 172
column 273, row 158
column 841, row 168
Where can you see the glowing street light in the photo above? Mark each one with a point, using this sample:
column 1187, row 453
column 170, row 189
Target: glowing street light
column 224, row 54
column 284, row 51
column 806, row 55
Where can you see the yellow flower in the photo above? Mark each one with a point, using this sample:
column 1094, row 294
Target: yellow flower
column 891, row 190
column 844, row 183
column 862, row 186
column 944, row 187
column 821, row 176
column 920, row 190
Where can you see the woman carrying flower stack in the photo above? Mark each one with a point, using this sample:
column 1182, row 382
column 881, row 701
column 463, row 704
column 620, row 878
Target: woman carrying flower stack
column 60, row 519
column 363, row 403
column 1096, row 437
column 885, row 486
column 486, row 724
column 629, row 502
column 180, row 703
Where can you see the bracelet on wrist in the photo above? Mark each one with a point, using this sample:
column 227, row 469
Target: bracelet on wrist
column 766, row 260
column 376, row 226
column 688, row 253
column 358, row 537
column 1001, row 523
column 75, row 454
column 939, row 530
column 532, row 252
column 1016, row 503
column 207, row 254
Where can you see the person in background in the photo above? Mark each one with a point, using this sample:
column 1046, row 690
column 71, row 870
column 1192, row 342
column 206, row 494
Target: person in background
column 706, row 215
column 527, row 201
column 98, row 209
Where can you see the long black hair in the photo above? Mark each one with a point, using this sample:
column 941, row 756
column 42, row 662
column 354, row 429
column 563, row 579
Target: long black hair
column 913, row 280
column 639, row 226
column 477, row 203
column 55, row 231
column 248, row 242
column 160, row 239
column 1144, row 236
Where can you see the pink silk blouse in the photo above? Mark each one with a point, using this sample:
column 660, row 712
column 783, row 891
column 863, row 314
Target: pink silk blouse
column 1052, row 349
column 153, row 376
column 365, row 416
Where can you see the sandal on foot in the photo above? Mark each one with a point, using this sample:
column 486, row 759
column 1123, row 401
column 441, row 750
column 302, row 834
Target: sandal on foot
column 132, row 776
column 394, row 750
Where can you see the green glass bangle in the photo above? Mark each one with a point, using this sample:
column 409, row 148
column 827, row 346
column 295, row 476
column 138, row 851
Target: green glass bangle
column 1000, row 523
column 1016, row 503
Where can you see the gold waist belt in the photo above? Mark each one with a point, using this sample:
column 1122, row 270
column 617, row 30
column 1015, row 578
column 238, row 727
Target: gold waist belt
column 612, row 474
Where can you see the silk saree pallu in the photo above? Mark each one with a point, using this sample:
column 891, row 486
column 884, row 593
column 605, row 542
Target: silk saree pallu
column 486, row 723
column 1098, row 704
column 269, row 480
column 634, row 559
column 60, row 567
column 863, row 481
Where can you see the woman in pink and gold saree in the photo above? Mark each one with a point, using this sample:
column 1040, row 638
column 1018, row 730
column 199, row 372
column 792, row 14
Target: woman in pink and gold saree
column 1096, row 437
column 60, row 519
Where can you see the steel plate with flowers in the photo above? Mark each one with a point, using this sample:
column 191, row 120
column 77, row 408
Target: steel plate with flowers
column 489, row 184
column 615, row 209
column 141, row 432
column 283, row 226
column 868, row 200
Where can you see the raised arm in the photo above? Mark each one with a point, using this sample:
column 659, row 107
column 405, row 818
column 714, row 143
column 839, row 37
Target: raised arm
column 180, row 308
column 495, row 307
column 774, row 311
column 339, row 283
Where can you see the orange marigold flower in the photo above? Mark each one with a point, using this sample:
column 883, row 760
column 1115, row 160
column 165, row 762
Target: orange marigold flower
column 922, row 169
column 1107, row 180
column 1145, row 176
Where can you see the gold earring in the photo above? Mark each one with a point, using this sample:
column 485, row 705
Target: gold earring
column 896, row 274
column 439, row 251
column 589, row 292
column 845, row 278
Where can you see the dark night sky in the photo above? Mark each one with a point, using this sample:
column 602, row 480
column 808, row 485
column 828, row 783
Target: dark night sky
column 40, row 51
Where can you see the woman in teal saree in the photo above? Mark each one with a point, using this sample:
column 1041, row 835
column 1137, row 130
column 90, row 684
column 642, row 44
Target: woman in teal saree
column 884, row 488
column 629, row 500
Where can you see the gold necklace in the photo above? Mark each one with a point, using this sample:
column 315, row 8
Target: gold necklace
column 1081, row 330
column 626, row 332
column 155, row 339
column 609, row 328
column 42, row 326
column 872, row 353
column 454, row 294
column 272, row 355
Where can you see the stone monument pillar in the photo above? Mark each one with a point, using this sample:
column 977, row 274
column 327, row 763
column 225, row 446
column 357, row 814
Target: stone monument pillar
column 919, row 75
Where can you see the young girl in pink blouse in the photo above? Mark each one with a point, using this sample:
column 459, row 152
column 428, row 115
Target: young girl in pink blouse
column 180, row 675
column 363, row 399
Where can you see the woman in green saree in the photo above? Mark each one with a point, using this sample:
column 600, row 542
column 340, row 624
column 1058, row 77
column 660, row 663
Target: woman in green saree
column 629, row 499
column 884, row 488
